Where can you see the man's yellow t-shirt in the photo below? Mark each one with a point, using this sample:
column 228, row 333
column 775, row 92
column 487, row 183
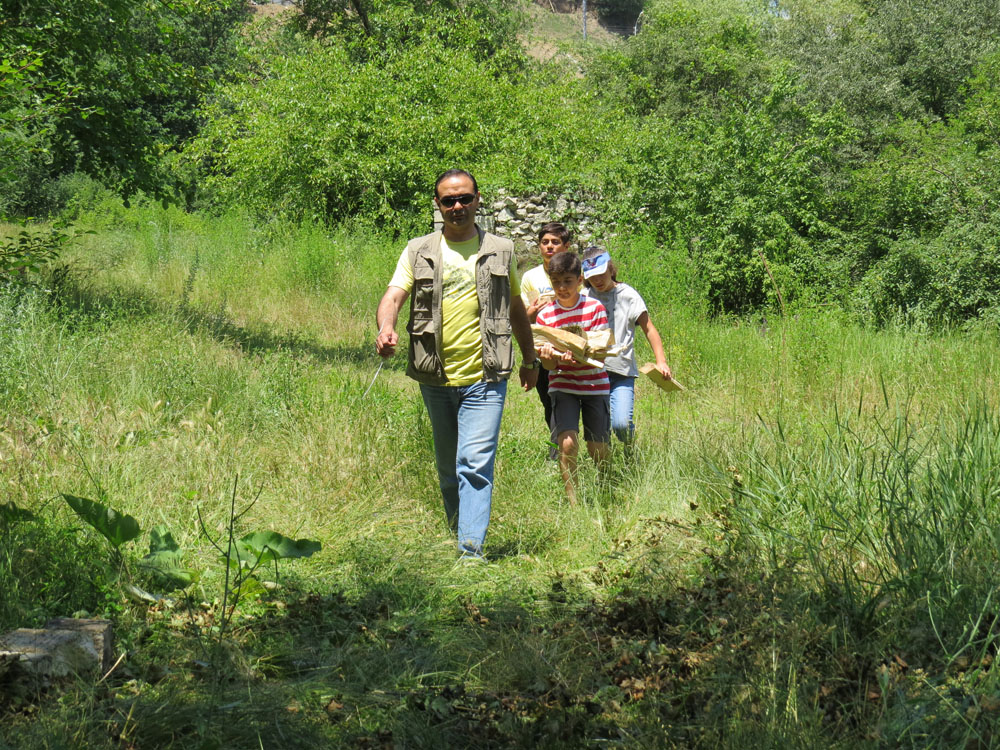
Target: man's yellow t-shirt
column 461, row 340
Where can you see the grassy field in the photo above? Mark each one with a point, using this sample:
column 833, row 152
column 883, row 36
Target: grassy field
column 801, row 554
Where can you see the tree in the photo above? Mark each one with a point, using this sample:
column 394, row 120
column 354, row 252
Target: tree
column 371, row 29
column 128, row 75
column 688, row 55
column 317, row 135
column 886, row 59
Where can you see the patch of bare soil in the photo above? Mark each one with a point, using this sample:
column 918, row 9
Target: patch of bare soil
column 270, row 9
column 555, row 26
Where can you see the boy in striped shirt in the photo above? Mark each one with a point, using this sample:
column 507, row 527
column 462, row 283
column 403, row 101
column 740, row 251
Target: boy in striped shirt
column 574, row 387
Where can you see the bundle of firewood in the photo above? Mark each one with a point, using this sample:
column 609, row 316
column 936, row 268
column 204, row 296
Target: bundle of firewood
column 590, row 350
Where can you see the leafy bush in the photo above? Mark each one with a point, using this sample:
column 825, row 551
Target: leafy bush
column 932, row 47
column 746, row 189
column 887, row 59
column 376, row 29
column 952, row 277
column 686, row 55
column 927, row 218
column 105, row 87
column 27, row 253
column 28, row 107
column 333, row 139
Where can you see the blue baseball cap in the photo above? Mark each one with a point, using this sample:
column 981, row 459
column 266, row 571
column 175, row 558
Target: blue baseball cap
column 596, row 265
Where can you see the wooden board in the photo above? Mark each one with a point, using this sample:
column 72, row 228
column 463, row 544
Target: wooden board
column 667, row 384
column 534, row 296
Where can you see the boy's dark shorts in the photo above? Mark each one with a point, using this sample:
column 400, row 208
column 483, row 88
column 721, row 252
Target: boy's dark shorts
column 566, row 409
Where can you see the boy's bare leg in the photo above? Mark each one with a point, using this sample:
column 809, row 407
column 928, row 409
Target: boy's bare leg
column 601, row 453
column 569, row 445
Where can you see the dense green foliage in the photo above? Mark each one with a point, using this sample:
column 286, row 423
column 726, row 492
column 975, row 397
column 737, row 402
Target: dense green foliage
column 841, row 152
column 828, row 153
column 106, row 87
column 334, row 139
column 376, row 29
column 802, row 551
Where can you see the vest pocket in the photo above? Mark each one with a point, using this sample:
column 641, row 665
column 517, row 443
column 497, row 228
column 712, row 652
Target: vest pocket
column 499, row 289
column 424, row 353
column 498, row 350
column 423, row 284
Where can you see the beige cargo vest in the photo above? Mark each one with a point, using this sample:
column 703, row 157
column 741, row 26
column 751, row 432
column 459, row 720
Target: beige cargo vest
column 426, row 363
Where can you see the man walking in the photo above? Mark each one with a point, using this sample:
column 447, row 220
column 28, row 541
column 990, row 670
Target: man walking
column 464, row 305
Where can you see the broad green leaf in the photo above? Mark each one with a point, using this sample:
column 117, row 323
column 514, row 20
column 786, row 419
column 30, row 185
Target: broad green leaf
column 167, row 566
column 270, row 545
column 244, row 556
column 116, row 527
column 161, row 540
column 251, row 588
column 240, row 557
column 164, row 559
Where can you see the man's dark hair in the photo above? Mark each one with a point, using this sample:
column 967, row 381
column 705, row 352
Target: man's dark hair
column 592, row 252
column 559, row 230
column 455, row 173
column 568, row 262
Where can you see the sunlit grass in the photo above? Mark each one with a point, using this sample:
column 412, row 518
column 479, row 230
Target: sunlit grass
column 181, row 356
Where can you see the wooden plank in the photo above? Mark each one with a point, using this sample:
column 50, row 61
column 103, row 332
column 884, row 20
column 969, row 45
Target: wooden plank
column 667, row 384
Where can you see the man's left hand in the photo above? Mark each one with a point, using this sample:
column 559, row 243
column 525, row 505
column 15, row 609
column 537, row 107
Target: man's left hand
column 529, row 376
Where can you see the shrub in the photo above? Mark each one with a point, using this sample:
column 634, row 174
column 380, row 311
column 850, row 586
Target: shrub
column 746, row 189
column 324, row 138
column 949, row 278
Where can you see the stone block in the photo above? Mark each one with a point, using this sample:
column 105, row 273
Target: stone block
column 65, row 647
column 49, row 653
column 98, row 632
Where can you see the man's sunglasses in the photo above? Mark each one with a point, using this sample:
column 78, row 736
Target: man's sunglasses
column 450, row 200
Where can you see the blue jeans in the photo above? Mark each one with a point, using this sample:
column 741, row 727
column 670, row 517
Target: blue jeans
column 465, row 423
column 622, row 404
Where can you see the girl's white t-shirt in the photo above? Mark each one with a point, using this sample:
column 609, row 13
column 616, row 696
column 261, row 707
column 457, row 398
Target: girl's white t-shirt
column 624, row 305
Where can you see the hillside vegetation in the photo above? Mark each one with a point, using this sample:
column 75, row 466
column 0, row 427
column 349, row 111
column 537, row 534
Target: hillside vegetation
column 802, row 552
column 799, row 153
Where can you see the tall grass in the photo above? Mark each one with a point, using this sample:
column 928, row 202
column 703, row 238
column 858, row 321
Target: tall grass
column 814, row 512
column 887, row 526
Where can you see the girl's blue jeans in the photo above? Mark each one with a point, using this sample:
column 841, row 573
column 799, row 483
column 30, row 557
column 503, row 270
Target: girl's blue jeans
column 622, row 405
column 465, row 423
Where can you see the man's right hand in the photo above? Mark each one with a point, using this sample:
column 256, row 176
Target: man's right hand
column 385, row 343
column 388, row 313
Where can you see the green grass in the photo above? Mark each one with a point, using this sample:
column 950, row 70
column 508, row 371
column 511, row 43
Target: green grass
column 800, row 556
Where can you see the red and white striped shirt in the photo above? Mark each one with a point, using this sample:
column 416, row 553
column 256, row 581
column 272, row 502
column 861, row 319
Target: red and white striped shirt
column 586, row 315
